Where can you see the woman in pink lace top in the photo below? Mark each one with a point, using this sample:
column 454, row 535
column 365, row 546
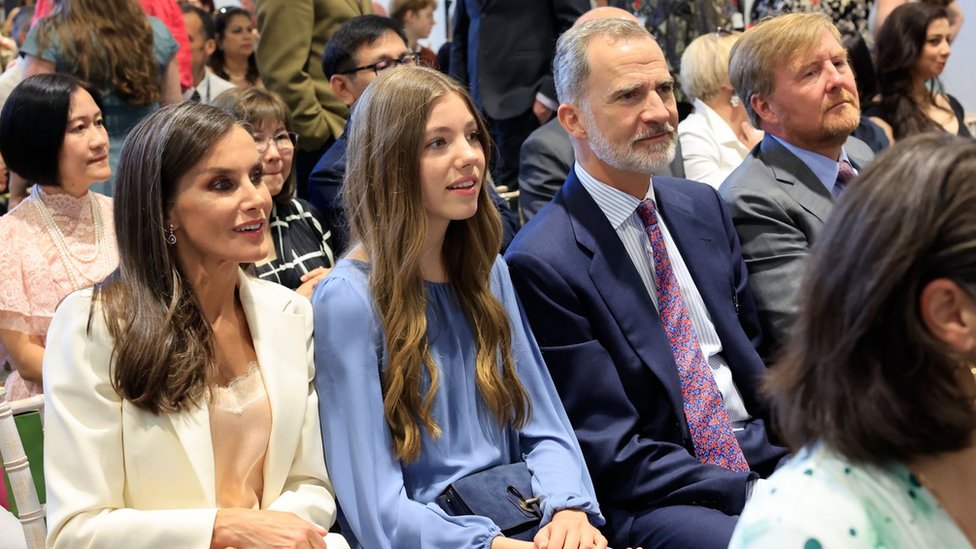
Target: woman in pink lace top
column 62, row 238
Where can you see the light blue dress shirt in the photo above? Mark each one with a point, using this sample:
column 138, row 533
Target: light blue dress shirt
column 388, row 503
column 824, row 168
column 620, row 209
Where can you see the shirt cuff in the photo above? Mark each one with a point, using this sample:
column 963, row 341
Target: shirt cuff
column 547, row 101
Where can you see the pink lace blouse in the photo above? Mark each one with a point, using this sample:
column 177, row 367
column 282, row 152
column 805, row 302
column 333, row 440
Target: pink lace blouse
column 34, row 278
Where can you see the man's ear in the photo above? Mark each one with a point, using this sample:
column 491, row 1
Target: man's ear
column 764, row 108
column 570, row 118
column 342, row 88
column 949, row 314
column 210, row 46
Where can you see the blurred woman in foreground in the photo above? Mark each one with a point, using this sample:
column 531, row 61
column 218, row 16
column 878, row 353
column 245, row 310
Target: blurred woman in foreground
column 876, row 389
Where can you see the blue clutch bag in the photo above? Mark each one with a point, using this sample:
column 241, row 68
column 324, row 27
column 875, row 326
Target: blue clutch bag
column 502, row 493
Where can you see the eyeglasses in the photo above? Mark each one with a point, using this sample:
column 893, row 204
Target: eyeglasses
column 383, row 64
column 284, row 141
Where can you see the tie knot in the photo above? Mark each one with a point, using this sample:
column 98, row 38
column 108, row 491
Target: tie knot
column 645, row 211
column 845, row 172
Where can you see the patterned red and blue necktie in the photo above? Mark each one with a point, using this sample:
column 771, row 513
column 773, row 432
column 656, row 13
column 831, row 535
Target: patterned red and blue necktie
column 845, row 173
column 708, row 422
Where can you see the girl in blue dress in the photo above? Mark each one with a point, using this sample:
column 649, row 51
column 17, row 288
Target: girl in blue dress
column 426, row 367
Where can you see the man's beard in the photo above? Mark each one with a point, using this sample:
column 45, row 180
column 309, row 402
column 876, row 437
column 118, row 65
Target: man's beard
column 629, row 158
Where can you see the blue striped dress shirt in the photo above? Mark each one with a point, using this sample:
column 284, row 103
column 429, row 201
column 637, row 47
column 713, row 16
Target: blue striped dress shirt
column 620, row 209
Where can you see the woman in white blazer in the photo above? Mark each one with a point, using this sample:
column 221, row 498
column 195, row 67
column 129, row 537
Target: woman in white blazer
column 180, row 410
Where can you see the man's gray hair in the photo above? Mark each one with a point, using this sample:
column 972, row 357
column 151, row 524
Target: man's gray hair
column 571, row 66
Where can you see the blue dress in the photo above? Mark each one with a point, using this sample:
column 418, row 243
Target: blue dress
column 388, row 503
column 120, row 116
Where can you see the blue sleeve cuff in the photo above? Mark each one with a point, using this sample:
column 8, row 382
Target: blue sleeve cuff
column 550, row 505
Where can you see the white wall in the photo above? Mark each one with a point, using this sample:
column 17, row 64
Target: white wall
column 959, row 76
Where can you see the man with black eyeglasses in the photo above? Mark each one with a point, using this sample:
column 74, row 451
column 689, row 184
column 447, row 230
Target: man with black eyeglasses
column 362, row 48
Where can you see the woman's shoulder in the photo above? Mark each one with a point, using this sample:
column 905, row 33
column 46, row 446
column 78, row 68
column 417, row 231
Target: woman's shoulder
column 821, row 496
column 345, row 291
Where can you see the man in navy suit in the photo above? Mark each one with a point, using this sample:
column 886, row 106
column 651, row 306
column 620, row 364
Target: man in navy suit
column 591, row 269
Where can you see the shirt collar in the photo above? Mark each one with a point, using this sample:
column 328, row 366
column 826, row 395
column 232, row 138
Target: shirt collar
column 823, row 167
column 615, row 204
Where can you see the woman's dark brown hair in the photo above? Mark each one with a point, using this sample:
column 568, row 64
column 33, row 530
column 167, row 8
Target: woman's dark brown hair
column 164, row 357
column 860, row 372
column 900, row 42
column 108, row 43
column 217, row 60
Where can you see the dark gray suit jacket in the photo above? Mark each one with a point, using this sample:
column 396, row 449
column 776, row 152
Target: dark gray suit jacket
column 778, row 207
column 547, row 156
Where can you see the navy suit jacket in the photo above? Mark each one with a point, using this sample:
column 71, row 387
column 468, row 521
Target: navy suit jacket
column 610, row 357
column 507, row 47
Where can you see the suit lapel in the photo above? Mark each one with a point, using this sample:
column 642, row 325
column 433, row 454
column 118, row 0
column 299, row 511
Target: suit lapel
column 801, row 183
column 193, row 429
column 620, row 286
column 691, row 234
column 277, row 335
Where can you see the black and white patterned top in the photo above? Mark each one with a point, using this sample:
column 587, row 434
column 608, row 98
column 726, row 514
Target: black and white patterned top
column 301, row 244
column 849, row 15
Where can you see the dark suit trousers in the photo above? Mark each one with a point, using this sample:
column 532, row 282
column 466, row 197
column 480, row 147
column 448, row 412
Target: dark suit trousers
column 693, row 526
column 508, row 135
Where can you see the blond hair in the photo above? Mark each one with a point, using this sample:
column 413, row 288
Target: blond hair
column 770, row 44
column 386, row 214
column 705, row 64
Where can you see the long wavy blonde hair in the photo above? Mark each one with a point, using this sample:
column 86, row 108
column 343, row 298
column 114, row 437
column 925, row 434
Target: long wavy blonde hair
column 386, row 214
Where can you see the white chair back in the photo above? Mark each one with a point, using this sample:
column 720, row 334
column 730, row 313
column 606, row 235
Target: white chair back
column 18, row 470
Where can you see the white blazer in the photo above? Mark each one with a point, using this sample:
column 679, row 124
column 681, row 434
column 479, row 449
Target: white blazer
column 119, row 476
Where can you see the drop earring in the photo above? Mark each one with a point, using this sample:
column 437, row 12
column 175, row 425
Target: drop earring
column 171, row 235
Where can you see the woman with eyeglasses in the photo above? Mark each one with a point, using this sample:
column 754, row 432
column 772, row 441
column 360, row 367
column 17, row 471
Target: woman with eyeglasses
column 299, row 254
column 234, row 60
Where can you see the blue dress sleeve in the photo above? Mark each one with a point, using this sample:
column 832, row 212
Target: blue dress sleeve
column 367, row 477
column 548, row 443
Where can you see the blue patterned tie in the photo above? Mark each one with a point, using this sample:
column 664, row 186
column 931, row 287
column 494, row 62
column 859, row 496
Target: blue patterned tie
column 708, row 422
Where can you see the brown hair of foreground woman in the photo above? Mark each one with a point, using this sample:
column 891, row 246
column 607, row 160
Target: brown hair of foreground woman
column 870, row 370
